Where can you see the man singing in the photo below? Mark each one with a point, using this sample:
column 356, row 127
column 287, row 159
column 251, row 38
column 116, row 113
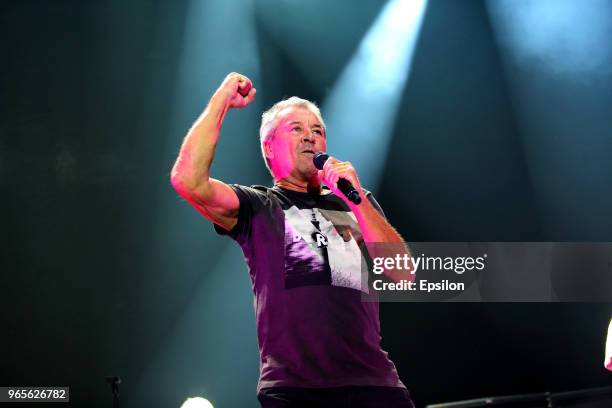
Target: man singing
column 304, row 244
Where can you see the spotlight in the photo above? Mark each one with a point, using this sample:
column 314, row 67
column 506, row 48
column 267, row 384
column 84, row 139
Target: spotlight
column 197, row 402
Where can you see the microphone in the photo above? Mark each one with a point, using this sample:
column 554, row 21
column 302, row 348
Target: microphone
column 343, row 185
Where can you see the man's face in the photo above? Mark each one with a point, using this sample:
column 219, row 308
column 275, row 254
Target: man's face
column 298, row 136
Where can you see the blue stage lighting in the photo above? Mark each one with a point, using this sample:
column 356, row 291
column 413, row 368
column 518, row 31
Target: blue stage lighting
column 363, row 103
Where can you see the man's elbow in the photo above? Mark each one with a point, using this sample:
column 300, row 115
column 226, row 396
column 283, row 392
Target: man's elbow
column 188, row 187
column 180, row 183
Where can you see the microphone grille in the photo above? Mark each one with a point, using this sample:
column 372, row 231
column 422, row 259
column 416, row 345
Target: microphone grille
column 319, row 159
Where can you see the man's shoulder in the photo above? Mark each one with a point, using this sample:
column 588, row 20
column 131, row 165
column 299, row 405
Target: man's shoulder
column 255, row 193
column 255, row 188
column 263, row 189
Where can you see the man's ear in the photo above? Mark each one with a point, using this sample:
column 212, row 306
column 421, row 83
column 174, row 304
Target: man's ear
column 268, row 150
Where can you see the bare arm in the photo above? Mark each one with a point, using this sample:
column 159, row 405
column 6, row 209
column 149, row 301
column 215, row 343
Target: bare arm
column 376, row 229
column 190, row 175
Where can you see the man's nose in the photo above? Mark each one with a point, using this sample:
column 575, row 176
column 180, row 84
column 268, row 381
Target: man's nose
column 309, row 137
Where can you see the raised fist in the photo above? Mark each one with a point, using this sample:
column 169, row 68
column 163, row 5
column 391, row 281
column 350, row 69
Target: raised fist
column 237, row 90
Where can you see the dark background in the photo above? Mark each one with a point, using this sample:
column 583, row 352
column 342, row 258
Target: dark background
column 105, row 271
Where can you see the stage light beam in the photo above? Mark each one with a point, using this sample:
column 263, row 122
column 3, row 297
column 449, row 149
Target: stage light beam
column 188, row 265
column 557, row 61
column 364, row 102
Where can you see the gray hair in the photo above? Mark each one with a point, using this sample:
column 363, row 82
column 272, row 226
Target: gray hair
column 269, row 121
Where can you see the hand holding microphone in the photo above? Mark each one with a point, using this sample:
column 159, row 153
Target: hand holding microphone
column 338, row 175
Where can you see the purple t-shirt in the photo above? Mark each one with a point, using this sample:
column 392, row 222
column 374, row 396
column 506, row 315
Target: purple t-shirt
column 304, row 254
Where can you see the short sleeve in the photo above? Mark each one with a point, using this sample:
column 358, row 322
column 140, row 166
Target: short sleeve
column 251, row 202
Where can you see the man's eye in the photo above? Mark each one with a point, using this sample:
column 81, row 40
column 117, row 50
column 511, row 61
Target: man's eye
column 297, row 129
column 318, row 132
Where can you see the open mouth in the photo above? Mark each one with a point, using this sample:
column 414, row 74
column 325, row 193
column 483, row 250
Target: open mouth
column 308, row 151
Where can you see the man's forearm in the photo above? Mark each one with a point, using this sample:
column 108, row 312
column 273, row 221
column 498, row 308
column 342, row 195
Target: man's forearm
column 192, row 167
column 376, row 229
